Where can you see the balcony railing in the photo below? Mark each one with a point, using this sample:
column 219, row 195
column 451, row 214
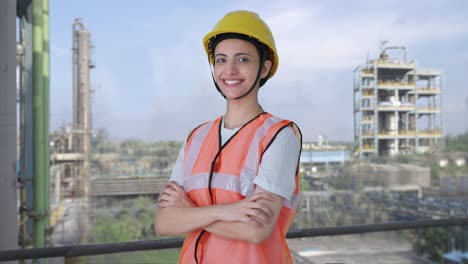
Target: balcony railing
column 420, row 90
column 368, row 148
column 411, row 133
column 428, row 110
column 109, row 248
column 391, row 83
column 403, row 133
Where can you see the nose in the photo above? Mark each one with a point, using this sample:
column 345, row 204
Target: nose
column 231, row 68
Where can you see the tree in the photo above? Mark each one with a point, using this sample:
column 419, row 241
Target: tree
column 130, row 220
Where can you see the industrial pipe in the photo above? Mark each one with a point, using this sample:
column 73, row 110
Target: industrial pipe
column 8, row 182
column 46, row 99
column 39, row 211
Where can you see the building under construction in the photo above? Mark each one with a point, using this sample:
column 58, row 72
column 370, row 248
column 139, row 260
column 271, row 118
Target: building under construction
column 397, row 106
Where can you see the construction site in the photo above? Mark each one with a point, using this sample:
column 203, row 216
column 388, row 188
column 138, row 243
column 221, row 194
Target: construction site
column 72, row 188
column 397, row 106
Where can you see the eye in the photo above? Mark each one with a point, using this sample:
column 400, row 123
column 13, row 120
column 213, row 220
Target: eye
column 243, row 59
column 220, row 60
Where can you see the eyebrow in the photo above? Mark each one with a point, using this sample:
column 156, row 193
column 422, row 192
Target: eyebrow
column 235, row 55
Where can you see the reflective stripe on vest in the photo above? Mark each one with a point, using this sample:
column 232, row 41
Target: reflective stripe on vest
column 234, row 169
column 229, row 183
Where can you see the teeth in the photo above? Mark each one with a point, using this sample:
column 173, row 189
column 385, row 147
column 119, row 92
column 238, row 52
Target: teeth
column 232, row 82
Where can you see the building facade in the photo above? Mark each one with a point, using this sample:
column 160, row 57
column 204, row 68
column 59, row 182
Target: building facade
column 397, row 106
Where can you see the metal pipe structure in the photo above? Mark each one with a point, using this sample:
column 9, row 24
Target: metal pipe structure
column 39, row 210
column 75, row 29
column 397, row 47
column 391, row 114
column 109, row 248
column 46, row 99
column 26, row 126
column 82, row 112
column 8, row 181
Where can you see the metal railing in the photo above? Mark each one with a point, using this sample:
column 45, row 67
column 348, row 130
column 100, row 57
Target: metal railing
column 168, row 243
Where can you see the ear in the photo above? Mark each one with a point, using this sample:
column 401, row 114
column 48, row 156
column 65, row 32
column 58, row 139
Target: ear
column 266, row 69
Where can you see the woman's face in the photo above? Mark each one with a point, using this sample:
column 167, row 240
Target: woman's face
column 236, row 66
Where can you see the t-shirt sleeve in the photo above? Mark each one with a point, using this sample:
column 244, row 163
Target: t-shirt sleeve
column 277, row 170
column 177, row 170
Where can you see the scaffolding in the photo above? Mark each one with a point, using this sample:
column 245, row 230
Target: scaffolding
column 397, row 106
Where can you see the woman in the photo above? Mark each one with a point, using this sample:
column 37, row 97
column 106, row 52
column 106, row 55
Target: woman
column 234, row 187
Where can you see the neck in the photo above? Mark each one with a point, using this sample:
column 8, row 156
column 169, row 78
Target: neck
column 239, row 112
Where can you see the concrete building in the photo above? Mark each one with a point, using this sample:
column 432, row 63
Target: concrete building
column 397, row 106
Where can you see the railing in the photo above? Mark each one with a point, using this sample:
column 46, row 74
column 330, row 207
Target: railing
column 395, row 83
column 398, row 63
column 428, row 90
column 99, row 249
column 367, row 72
column 397, row 133
column 367, row 92
column 402, row 133
column 428, row 109
column 368, row 148
column 395, row 105
column 368, row 133
column 430, row 133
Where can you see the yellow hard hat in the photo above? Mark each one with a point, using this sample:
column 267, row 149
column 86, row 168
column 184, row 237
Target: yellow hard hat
column 246, row 23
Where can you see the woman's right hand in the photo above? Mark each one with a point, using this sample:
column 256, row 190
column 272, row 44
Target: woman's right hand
column 174, row 195
column 251, row 210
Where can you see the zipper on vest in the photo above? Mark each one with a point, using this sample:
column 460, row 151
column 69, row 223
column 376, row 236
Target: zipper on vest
column 213, row 163
column 220, row 148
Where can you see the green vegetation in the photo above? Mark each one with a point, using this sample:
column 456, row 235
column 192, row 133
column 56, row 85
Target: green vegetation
column 129, row 220
column 167, row 256
column 433, row 242
column 458, row 143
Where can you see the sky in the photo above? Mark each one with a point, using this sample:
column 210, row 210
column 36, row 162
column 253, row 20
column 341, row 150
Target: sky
column 152, row 80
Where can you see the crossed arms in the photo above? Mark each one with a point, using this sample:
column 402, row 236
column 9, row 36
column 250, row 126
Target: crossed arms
column 251, row 219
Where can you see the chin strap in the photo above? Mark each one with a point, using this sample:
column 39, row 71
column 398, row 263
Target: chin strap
column 262, row 61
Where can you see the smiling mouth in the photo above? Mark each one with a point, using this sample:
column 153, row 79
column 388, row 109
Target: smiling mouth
column 230, row 82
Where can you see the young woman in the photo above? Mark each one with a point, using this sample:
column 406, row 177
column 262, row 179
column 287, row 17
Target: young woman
column 234, row 187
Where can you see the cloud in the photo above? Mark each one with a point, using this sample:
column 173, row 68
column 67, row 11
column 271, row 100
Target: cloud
column 309, row 41
column 155, row 82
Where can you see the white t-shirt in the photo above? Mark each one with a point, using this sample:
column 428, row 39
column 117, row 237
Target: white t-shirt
column 277, row 170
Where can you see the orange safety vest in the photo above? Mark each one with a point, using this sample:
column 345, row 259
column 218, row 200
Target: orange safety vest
column 222, row 174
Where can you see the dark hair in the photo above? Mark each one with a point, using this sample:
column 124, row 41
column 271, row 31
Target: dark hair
column 262, row 49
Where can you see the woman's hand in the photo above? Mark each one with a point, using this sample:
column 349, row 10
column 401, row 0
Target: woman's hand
column 174, row 195
column 251, row 210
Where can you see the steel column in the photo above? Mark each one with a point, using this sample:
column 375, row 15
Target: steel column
column 8, row 180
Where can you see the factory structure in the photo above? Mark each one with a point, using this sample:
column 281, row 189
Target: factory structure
column 70, row 150
column 397, row 106
column 71, row 145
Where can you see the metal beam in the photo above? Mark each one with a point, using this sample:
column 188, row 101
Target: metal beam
column 46, row 99
column 8, row 181
column 26, row 126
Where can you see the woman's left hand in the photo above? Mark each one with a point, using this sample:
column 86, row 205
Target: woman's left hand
column 174, row 195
